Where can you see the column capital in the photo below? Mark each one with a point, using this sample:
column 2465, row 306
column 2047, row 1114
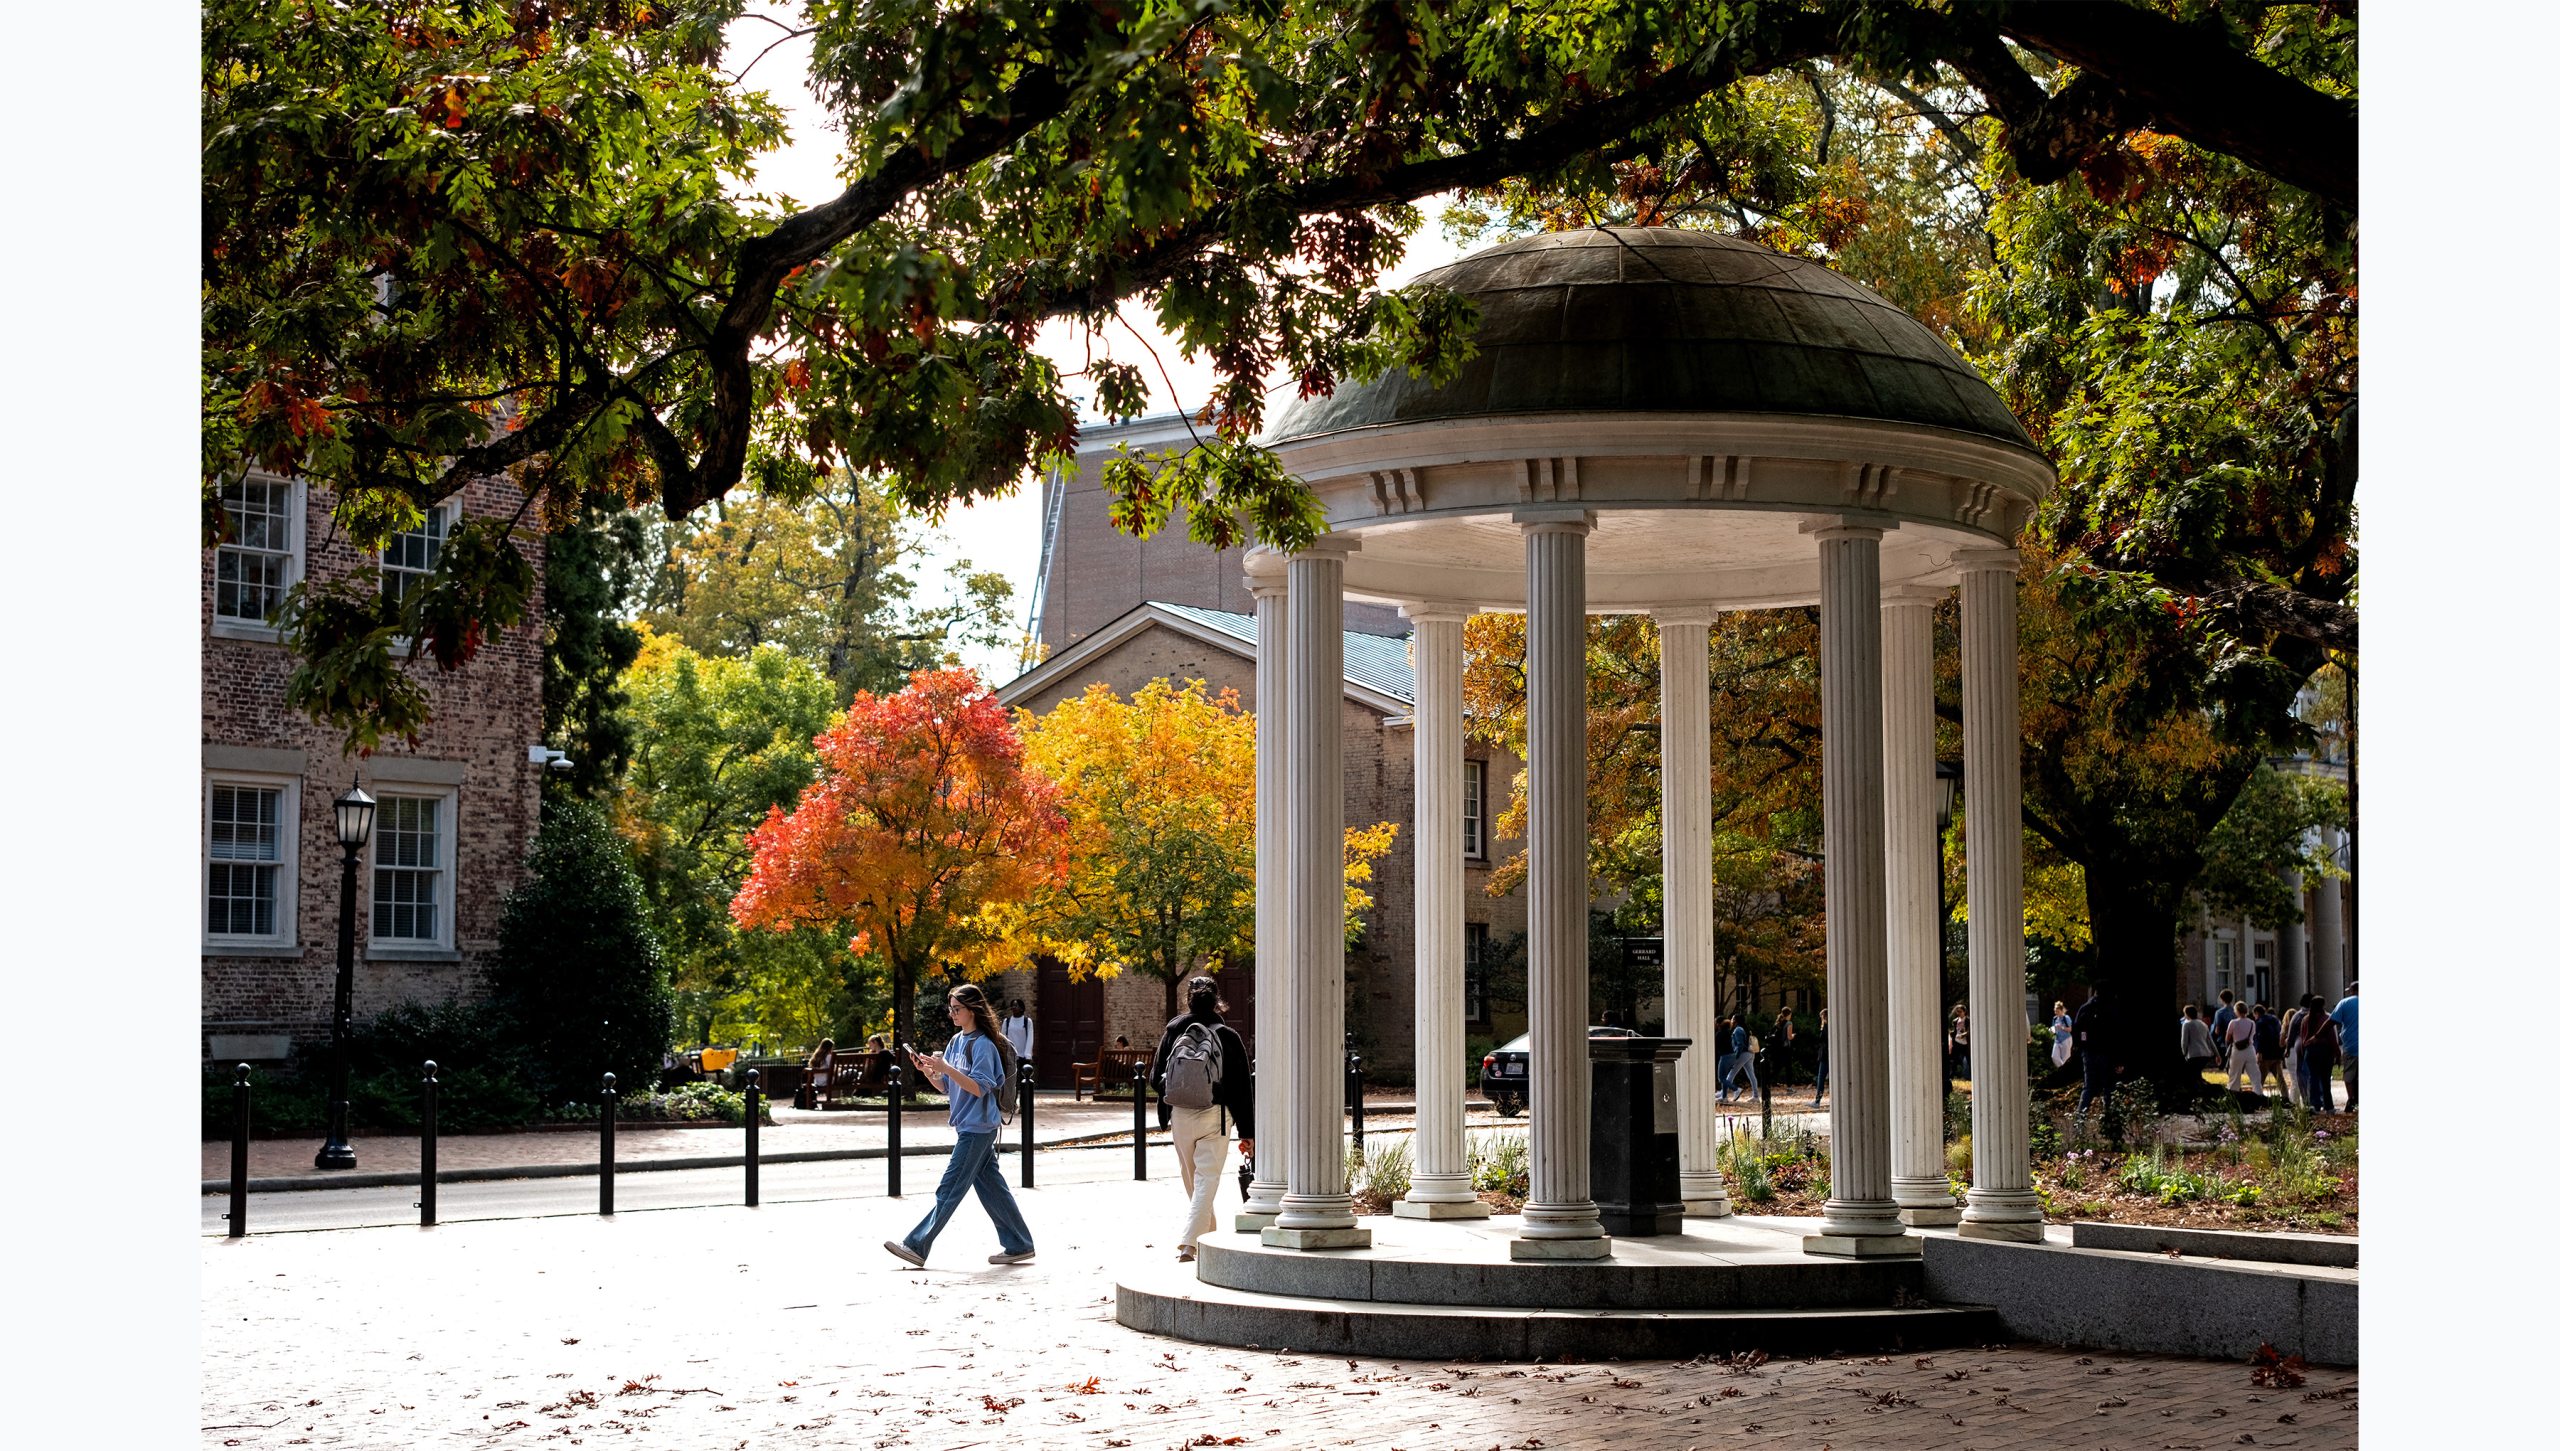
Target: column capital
column 1667, row 615
column 1985, row 561
column 1327, row 546
column 1263, row 587
column 1849, row 524
column 1421, row 610
column 1555, row 521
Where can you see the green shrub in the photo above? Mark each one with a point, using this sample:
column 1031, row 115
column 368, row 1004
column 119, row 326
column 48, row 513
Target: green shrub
column 687, row 1103
column 578, row 975
column 1500, row 1163
column 1388, row 1171
column 479, row 1084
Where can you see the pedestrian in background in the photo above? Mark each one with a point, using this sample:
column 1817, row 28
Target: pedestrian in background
column 2269, row 1040
column 975, row 1069
column 2093, row 1038
column 2319, row 1035
column 2240, row 1050
column 1742, row 1046
column 2344, row 1015
column 2222, row 1017
column 1960, row 1045
column 2061, row 1034
column 1203, row 1077
column 2195, row 1042
column 1821, row 1044
column 1782, row 1048
column 1017, row 1029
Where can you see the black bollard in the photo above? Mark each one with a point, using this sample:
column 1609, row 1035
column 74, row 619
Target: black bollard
column 427, row 1146
column 755, row 1110
column 1352, row 1094
column 1138, row 1115
column 1024, row 1113
column 897, row 1100
column 1768, row 1119
column 239, row 1215
column 604, row 1184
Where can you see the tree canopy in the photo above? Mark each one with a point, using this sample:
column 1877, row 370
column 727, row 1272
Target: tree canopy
column 924, row 825
column 448, row 239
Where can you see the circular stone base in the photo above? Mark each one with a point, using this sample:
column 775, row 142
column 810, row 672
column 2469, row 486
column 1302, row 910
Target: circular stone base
column 1733, row 1263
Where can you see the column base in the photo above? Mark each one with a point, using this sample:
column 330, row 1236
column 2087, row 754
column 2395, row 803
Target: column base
column 1442, row 1209
column 1862, row 1246
column 1593, row 1247
column 1279, row 1238
column 1252, row 1223
column 1716, row 1208
column 1931, row 1215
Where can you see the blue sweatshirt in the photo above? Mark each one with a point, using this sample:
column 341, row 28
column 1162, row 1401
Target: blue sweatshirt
column 975, row 1055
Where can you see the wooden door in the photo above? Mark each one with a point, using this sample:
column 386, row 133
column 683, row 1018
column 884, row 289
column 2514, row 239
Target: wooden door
column 1067, row 1019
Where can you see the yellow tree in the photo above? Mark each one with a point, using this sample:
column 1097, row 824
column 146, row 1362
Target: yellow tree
column 1157, row 791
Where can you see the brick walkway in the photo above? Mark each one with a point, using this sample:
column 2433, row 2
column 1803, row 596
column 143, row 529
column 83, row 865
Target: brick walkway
column 788, row 1326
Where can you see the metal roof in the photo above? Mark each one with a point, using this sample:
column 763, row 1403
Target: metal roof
column 1663, row 320
column 1382, row 663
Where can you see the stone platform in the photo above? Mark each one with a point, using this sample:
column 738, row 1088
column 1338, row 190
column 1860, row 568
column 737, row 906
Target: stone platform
column 1452, row 1289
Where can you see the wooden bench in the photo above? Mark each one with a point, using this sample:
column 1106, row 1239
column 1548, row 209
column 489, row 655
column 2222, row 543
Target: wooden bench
column 1111, row 1070
column 856, row 1075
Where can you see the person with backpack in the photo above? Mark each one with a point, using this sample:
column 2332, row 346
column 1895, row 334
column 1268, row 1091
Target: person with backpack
column 978, row 1071
column 2269, row 1039
column 2240, row 1049
column 1203, row 1078
column 2317, row 1032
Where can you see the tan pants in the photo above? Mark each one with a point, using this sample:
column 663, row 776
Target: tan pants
column 1200, row 1147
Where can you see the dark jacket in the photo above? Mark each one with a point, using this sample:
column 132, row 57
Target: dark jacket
column 1235, row 1078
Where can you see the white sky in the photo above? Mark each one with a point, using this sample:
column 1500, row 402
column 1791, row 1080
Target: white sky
column 999, row 534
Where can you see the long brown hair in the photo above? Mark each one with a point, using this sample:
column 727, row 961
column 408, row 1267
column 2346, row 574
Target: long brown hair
column 982, row 1018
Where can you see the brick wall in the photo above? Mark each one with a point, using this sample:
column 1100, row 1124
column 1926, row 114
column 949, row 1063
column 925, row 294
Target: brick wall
column 485, row 716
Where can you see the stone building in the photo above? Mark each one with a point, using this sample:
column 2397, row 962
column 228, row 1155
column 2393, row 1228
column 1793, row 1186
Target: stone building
column 458, row 806
column 1121, row 612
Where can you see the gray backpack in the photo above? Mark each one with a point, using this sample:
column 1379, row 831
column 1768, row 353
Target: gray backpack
column 1193, row 1067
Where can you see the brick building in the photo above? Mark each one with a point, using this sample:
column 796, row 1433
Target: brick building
column 1120, row 611
column 458, row 806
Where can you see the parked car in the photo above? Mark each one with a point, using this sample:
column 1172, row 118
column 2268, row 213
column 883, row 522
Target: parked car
column 1504, row 1073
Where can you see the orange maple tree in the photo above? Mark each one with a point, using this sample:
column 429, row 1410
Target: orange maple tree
column 923, row 826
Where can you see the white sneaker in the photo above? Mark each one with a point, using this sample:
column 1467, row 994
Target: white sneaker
column 899, row 1248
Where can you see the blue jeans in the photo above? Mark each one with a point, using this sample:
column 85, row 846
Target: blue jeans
column 1821, row 1074
column 973, row 1165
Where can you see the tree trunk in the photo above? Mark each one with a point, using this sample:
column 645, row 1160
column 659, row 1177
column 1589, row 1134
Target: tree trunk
column 2133, row 929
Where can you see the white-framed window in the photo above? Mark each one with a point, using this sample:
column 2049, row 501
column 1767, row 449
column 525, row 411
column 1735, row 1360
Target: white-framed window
column 1479, row 942
column 410, row 557
column 413, row 848
column 262, row 558
column 2218, row 975
column 250, row 851
column 1472, row 831
column 2262, row 968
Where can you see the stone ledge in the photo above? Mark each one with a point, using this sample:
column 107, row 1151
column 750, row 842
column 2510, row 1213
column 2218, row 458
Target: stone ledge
column 2337, row 1251
column 2117, row 1300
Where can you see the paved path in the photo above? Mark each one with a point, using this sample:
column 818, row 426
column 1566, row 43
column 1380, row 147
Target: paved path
column 787, row 1326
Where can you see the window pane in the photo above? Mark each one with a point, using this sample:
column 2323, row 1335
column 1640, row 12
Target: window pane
column 408, row 863
column 240, row 901
column 250, row 570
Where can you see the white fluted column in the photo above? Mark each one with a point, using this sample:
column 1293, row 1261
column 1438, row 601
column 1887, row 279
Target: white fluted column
column 1911, row 907
column 1272, row 972
column 2329, row 930
column 1441, row 1187
column 1315, row 1212
column 2002, row 1202
column 1560, row 1221
column 1860, row 1218
column 2285, row 986
column 1688, row 900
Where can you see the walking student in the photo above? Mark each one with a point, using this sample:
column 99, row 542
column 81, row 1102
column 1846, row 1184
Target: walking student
column 1960, row 1045
column 2319, row 1036
column 2195, row 1043
column 1740, row 1045
column 2270, row 1042
column 2222, row 1017
column 2241, row 1049
column 2061, row 1034
column 1203, row 1079
column 975, row 1069
column 2344, row 1015
column 1821, row 1045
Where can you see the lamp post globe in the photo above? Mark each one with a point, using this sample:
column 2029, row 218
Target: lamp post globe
column 354, row 812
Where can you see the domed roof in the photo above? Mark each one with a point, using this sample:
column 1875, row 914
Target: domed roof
column 1661, row 320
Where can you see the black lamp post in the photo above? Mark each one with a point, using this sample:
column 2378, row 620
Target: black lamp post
column 1949, row 777
column 355, row 828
